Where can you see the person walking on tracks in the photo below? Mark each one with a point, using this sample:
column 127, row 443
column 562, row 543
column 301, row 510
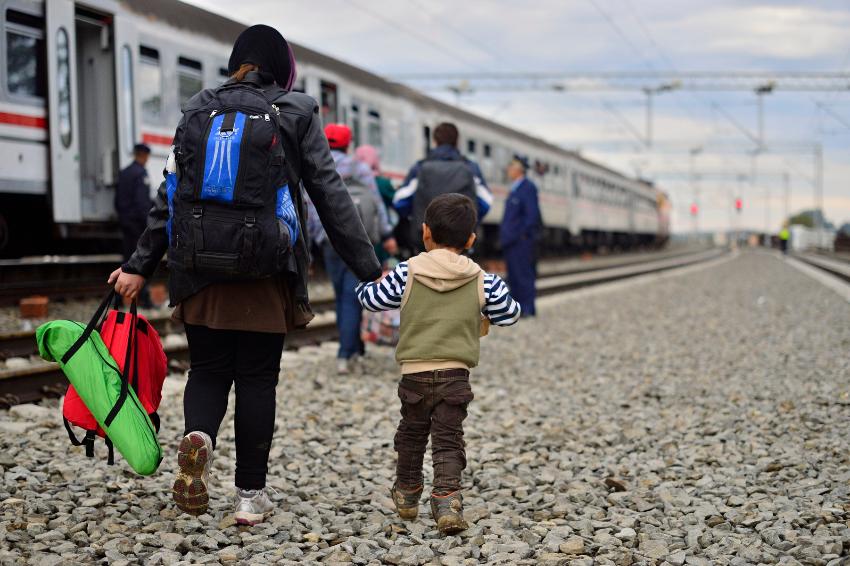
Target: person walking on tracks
column 230, row 214
column 518, row 235
column 447, row 302
column 445, row 170
column 132, row 203
column 360, row 182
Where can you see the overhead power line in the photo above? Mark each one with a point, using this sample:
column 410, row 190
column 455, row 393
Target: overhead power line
column 424, row 38
column 801, row 81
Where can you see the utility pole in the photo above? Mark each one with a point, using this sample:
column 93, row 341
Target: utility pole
column 767, row 229
column 760, row 91
column 819, row 187
column 650, row 93
column 695, row 190
column 786, row 180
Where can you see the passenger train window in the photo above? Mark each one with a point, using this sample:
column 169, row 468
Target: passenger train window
column 487, row 150
column 150, row 84
column 127, row 97
column 373, row 129
column 355, row 124
column 470, row 146
column 26, row 69
column 328, row 102
column 63, row 81
column 223, row 74
column 190, row 78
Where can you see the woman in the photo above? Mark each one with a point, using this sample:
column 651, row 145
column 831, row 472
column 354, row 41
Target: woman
column 371, row 157
column 235, row 330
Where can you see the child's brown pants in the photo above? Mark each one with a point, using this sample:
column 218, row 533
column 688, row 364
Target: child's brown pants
column 432, row 402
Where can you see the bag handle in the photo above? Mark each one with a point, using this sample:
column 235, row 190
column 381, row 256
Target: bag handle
column 129, row 361
column 95, row 320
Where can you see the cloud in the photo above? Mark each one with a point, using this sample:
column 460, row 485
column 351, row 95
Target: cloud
column 391, row 37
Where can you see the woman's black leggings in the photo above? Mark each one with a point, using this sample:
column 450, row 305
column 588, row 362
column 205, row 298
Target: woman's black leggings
column 252, row 360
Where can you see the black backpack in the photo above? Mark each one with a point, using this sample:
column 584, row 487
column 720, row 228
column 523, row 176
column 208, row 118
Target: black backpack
column 437, row 177
column 231, row 213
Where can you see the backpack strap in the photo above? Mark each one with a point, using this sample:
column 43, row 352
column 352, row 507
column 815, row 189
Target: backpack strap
column 87, row 441
column 129, row 362
column 95, row 320
column 155, row 420
column 110, row 458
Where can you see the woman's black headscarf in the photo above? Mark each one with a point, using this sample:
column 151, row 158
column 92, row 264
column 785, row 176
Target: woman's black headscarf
column 263, row 46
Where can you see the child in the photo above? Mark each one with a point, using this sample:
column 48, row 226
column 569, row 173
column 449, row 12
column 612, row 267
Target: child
column 447, row 302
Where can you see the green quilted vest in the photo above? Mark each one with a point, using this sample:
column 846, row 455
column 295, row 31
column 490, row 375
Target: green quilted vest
column 439, row 326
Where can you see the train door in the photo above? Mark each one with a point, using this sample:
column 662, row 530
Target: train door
column 83, row 134
column 126, row 40
column 96, row 111
column 62, row 124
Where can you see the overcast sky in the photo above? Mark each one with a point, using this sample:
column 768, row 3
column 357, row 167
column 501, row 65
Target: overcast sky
column 390, row 37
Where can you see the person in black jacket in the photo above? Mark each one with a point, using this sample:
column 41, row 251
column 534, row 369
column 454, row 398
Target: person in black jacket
column 132, row 203
column 235, row 330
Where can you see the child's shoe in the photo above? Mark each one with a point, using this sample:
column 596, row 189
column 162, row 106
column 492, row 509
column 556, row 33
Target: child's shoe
column 406, row 501
column 190, row 486
column 252, row 505
column 447, row 511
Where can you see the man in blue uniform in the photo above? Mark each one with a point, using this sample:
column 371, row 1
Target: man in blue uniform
column 518, row 235
column 132, row 203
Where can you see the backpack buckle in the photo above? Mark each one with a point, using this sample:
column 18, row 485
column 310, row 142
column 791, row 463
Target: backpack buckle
column 250, row 221
column 197, row 211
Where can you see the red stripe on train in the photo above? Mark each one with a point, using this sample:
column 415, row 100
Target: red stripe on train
column 23, row 120
column 157, row 139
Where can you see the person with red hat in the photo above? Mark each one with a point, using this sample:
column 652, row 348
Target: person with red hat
column 360, row 181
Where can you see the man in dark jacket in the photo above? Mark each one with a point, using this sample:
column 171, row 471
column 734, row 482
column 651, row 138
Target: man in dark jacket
column 518, row 235
column 445, row 170
column 132, row 203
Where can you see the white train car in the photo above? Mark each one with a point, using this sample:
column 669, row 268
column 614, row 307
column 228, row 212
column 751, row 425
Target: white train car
column 84, row 80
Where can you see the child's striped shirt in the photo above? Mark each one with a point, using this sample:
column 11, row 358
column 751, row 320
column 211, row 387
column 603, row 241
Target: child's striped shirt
column 386, row 294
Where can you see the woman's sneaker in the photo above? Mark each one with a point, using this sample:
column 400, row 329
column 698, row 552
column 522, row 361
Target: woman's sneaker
column 252, row 505
column 193, row 459
column 406, row 501
column 447, row 511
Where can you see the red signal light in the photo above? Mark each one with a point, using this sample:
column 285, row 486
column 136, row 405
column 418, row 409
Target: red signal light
column 694, row 209
column 739, row 204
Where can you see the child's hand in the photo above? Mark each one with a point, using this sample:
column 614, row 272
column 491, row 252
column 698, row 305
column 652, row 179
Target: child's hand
column 126, row 284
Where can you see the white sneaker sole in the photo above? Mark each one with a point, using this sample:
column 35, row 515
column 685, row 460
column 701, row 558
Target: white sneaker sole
column 249, row 519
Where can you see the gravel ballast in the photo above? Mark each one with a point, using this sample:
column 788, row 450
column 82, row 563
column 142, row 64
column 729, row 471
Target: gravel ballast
column 699, row 419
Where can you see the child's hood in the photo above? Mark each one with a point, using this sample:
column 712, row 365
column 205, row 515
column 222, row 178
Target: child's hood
column 443, row 270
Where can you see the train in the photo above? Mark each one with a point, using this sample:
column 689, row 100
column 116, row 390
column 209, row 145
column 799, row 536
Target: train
column 83, row 81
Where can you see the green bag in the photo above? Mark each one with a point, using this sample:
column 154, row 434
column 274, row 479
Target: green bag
column 90, row 368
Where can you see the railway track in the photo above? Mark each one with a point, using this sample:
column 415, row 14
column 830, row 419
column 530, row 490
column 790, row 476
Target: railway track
column 834, row 264
column 32, row 381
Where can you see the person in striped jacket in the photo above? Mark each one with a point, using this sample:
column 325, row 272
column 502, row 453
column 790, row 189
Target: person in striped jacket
column 447, row 303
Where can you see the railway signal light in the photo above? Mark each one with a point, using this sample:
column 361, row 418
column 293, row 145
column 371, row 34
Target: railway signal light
column 739, row 204
column 694, row 209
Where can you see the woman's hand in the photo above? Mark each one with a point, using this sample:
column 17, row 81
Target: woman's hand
column 126, row 284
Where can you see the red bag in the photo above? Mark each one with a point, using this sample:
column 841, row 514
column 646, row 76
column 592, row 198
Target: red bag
column 151, row 367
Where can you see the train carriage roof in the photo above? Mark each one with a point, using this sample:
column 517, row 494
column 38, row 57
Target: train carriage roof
column 192, row 18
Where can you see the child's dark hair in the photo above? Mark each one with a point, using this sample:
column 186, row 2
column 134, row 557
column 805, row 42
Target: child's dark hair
column 452, row 219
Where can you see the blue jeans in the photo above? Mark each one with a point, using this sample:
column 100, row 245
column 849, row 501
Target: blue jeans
column 348, row 309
